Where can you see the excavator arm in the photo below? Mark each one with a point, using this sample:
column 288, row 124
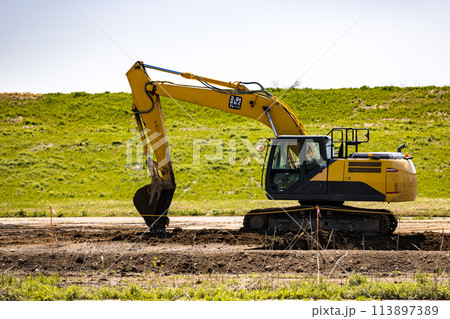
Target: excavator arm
column 153, row 200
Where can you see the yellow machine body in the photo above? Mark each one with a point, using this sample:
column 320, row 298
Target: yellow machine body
column 395, row 179
column 331, row 178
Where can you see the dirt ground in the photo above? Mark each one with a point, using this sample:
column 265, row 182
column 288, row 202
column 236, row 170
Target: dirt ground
column 95, row 247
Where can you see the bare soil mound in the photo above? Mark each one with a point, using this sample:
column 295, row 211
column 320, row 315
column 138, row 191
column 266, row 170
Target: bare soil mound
column 427, row 241
column 128, row 250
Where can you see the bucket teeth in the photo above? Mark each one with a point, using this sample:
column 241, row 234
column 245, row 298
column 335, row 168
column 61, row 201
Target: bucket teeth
column 157, row 229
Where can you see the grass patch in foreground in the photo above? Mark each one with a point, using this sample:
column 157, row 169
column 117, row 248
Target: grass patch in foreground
column 357, row 287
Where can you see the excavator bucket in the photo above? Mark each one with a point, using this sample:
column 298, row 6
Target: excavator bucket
column 153, row 201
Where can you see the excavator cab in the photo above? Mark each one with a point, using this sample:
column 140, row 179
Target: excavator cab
column 297, row 165
column 294, row 163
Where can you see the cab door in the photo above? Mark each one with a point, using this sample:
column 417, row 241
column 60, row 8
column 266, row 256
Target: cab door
column 313, row 177
column 283, row 169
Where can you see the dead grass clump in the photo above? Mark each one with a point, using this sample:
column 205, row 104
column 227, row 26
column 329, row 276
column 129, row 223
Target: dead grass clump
column 20, row 96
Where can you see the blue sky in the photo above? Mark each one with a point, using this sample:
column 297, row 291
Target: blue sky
column 56, row 46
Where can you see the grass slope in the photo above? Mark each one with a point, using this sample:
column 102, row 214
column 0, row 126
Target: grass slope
column 79, row 152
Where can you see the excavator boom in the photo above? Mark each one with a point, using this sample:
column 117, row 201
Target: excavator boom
column 153, row 200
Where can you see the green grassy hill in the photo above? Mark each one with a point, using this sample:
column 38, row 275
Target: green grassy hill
column 78, row 152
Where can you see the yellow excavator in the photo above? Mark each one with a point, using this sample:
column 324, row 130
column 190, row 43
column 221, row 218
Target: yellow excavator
column 321, row 172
